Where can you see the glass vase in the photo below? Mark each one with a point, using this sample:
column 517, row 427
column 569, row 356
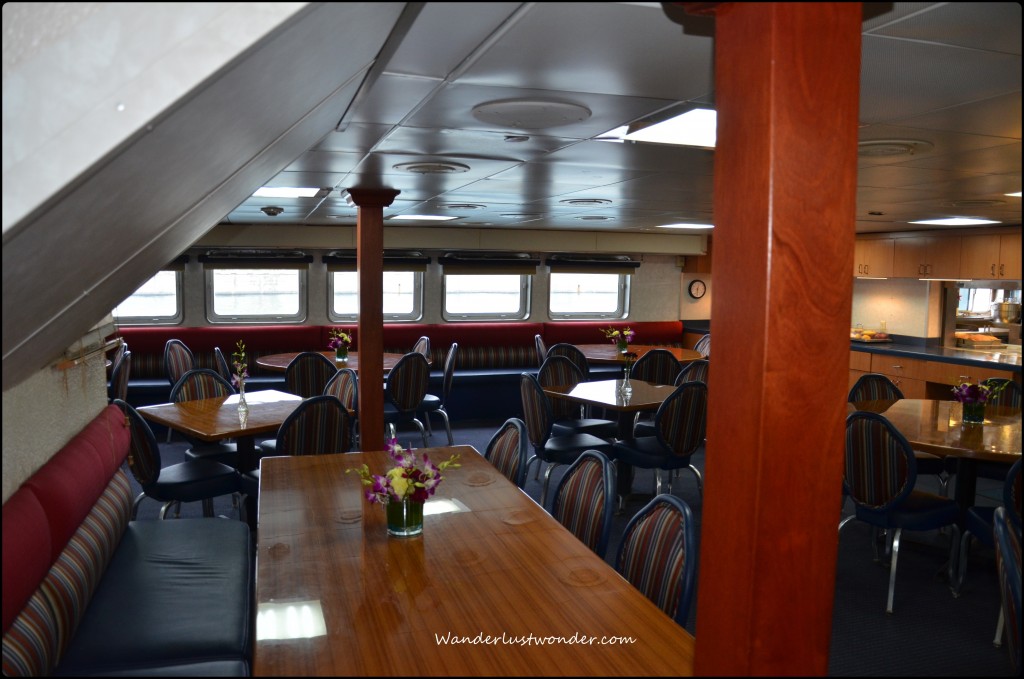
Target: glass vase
column 622, row 346
column 243, row 407
column 341, row 354
column 405, row 518
column 626, row 388
column 974, row 413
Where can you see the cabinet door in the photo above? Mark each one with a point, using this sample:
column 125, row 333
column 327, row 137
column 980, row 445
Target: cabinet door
column 878, row 254
column 910, row 256
column 943, row 257
column 979, row 256
column 1009, row 257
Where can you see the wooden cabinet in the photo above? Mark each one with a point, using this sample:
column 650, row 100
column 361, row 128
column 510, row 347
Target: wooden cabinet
column 991, row 256
column 927, row 256
column 873, row 257
column 908, row 374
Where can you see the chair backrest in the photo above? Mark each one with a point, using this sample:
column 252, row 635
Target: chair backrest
column 694, row 371
column 658, row 555
column 585, row 500
column 178, row 360
column 574, row 354
column 121, row 348
column 703, row 345
column 199, row 384
column 874, row 387
column 880, row 469
column 308, row 373
column 221, row 364
column 344, row 386
column 536, row 410
column 451, row 359
column 1012, row 494
column 509, row 449
column 408, row 381
column 658, row 366
column 422, row 346
column 560, row 371
column 143, row 451
column 542, row 349
column 320, row 425
column 1009, row 395
column 1008, row 566
column 119, row 377
column 681, row 421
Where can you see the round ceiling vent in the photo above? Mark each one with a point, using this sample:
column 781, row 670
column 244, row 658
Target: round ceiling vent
column 593, row 218
column 974, row 203
column 530, row 114
column 892, row 147
column 463, row 206
column 432, row 167
column 585, row 202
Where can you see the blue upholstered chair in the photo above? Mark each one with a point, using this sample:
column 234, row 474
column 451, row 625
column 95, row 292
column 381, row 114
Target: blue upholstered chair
column 657, row 365
column 320, row 425
column 574, row 354
column 119, row 377
column 188, row 481
column 178, row 360
column 433, row 403
column 555, row 450
column 422, row 346
column 1008, row 565
column 221, row 365
column 879, row 475
column 509, row 449
column 680, row 425
column 199, row 384
column 658, row 555
column 584, row 500
column 562, row 372
column 406, row 386
column 694, row 371
column 308, row 373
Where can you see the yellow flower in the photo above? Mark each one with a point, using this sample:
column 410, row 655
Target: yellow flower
column 399, row 483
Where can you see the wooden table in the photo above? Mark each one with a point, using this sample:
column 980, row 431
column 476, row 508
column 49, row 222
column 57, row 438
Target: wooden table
column 216, row 419
column 608, row 353
column 936, row 427
column 279, row 362
column 495, row 573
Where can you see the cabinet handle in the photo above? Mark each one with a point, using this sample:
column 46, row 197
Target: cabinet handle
column 860, row 269
column 928, row 269
column 993, row 270
column 867, row 268
column 1002, row 270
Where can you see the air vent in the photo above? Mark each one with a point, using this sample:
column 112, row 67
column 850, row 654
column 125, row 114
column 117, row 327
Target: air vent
column 591, row 263
column 530, row 114
column 463, row 206
column 593, row 218
column 874, row 148
column 432, row 167
column 586, row 202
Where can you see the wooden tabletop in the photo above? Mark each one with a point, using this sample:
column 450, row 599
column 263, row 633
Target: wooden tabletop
column 501, row 576
column 608, row 353
column 279, row 362
column 215, row 419
column 644, row 396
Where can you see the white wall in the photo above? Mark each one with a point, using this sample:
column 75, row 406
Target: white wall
column 908, row 307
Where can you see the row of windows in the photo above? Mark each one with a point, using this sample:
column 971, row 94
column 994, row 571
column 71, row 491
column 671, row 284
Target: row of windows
column 262, row 295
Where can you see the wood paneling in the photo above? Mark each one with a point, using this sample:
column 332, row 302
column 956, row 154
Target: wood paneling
column 927, row 256
column 873, row 257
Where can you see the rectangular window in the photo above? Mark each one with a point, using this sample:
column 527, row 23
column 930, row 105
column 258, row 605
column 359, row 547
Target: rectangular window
column 486, row 296
column 588, row 295
column 157, row 301
column 403, row 296
column 254, row 295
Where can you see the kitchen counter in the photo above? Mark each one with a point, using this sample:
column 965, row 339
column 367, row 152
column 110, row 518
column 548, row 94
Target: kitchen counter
column 1003, row 359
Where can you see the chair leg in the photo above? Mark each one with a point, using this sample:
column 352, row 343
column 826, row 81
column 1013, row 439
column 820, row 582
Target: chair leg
column 208, row 507
column 547, row 481
column 423, row 432
column 955, row 585
column 998, row 641
column 846, row 520
column 700, row 481
column 135, row 505
column 447, row 425
column 892, row 569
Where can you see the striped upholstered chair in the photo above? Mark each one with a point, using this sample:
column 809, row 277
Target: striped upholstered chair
column 178, row 360
column 680, row 425
column 585, row 500
column 221, row 364
column 562, row 372
column 574, row 354
column 320, row 425
column 509, row 449
column 199, row 384
column 308, row 373
column 119, row 377
column 879, row 475
column 657, row 365
column 658, row 555
column 344, row 386
column 404, row 391
column 693, row 371
column 1008, row 565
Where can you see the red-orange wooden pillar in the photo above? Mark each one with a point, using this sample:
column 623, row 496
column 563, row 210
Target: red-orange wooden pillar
column 370, row 265
column 786, row 90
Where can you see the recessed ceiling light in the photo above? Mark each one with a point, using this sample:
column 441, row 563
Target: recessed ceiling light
column 426, row 167
column 695, row 127
column 286, row 192
column 422, row 218
column 530, row 114
column 585, row 202
column 593, row 218
column 956, row 221
column 874, row 148
column 685, row 226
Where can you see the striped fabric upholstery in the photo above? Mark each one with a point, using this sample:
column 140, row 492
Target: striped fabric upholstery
column 422, row 346
column 542, row 349
column 1008, row 395
column 143, row 451
column 573, row 353
column 703, row 345
column 119, row 376
column 508, row 449
column 657, row 365
column 694, row 371
column 39, row 635
column 220, row 364
column 561, row 371
column 408, row 382
column 657, row 555
column 1008, row 566
column 319, row 426
column 536, row 410
column 874, row 387
column 344, row 386
column 308, row 374
column 584, row 500
column 877, row 471
column 682, row 419
column 199, row 384
column 178, row 360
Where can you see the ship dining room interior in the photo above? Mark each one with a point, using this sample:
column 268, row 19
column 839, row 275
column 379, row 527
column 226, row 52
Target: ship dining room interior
column 850, row 234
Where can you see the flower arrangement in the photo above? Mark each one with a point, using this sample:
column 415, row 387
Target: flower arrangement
column 241, row 366
column 620, row 338
column 976, row 393
column 410, row 479
column 339, row 339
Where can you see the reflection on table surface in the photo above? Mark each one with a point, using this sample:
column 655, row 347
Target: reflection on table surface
column 609, row 394
column 279, row 362
column 360, row 603
column 608, row 353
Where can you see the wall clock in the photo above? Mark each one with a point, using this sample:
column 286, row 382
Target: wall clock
column 697, row 289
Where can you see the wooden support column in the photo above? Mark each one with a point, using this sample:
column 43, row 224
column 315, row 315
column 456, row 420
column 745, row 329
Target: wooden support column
column 786, row 89
column 370, row 265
